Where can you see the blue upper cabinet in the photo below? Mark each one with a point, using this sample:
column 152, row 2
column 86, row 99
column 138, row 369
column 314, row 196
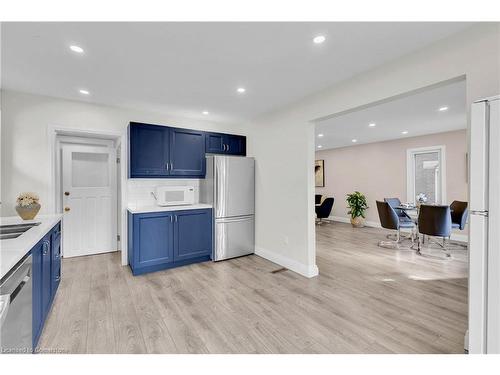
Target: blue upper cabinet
column 149, row 150
column 162, row 151
column 236, row 145
column 218, row 143
column 157, row 151
column 187, row 153
column 215, row 143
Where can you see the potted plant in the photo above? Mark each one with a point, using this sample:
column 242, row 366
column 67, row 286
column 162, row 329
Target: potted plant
column 356, row 202
column 27, row 205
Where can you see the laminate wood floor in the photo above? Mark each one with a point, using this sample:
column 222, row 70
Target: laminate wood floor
column 366, row 300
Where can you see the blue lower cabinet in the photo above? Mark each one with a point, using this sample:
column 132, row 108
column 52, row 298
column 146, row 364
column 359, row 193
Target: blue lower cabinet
column 162, row 240
column 36, row 279
column 55, row 269
column 152, row 241
column 45, row 276
column 192, row 234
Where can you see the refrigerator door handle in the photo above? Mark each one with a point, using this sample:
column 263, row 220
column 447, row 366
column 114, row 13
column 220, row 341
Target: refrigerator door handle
column 479, row 212
column 216, row 189
column 235, row 219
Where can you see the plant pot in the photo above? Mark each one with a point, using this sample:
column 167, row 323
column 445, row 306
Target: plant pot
column 28, row 212
column 358, row 222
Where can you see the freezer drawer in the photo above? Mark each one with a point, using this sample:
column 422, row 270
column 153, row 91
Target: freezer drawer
column 234, row 237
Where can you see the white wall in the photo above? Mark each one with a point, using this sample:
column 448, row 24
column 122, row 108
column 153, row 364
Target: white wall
column 25, row 145
column 283, row 142
column 381, row 170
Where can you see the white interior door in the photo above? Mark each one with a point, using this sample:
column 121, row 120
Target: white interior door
column 89, row 200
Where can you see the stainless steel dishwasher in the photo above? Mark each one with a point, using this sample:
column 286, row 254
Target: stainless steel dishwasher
column 16, row 309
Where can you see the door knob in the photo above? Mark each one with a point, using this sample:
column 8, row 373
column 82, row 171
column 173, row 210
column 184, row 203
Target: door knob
column 66, row 193
column 66, row 209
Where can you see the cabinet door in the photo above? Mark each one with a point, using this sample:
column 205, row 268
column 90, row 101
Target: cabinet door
column 235, row 145
column 56, row 259
column 192, row 234
column 46, row 276
column 214, row 143
column 36, row 279
column 153, row 239
column 187, row 153
column 149, row 150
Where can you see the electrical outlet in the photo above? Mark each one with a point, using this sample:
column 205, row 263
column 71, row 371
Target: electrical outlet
column 285, row 240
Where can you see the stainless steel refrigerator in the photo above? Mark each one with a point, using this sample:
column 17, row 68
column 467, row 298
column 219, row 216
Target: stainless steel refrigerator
column 229, row 186
column 484, row 227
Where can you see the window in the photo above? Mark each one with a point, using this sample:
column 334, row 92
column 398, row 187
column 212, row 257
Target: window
column 426, row 174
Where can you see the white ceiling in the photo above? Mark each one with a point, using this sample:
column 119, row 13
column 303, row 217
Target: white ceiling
column 186, row 68
column 418, row 114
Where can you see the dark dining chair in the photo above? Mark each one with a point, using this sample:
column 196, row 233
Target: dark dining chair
column 459, row 212
column 435, row 221
column 396, row 202
column 324, row 210
column 402, row 214
column 317, row 198
column 389, row 220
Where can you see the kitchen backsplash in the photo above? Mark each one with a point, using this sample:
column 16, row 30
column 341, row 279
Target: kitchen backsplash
column 139, row 190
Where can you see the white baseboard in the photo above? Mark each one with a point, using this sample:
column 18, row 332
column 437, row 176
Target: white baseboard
column 300, row 268
column 342, row 219
column 374, row 224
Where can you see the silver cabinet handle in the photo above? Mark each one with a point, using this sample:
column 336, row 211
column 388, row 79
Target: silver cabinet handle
column 45, row 248
column 228, row 147
column 176, row 218
column 166, row 166
column 171, row 218
column 171, row 166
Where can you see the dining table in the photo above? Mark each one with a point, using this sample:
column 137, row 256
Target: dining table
column 414, row 217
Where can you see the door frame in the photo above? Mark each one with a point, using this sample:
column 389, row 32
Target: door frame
column 410, row 171
column 101, row 137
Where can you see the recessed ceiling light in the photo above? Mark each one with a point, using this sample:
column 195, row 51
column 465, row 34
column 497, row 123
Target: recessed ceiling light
column 76, row 49
column 84, row 92
column 205, row 112
column 372, row 125
column 320, row 135
column 319, row 39
column 354, row 140
column 442, row 109
column 404, row 132
column 319, row 146
column 241, row 90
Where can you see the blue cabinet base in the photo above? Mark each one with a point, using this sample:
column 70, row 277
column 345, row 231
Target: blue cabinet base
column 162, row 240
column 166, row 266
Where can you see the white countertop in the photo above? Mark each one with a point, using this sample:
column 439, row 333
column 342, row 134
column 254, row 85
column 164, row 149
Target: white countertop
column 134, row 209
column 13, row 250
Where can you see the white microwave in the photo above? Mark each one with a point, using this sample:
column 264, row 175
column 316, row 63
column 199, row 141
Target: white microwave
column 174, row 195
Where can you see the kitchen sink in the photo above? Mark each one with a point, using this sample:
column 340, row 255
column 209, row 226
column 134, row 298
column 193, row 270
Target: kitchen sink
column 8, row 232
